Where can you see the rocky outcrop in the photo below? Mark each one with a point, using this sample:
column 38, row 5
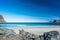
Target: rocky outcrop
column 2, row 19
column 50, row 35
column 9, row 34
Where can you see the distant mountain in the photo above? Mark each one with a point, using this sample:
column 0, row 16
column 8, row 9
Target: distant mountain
column 55, row 21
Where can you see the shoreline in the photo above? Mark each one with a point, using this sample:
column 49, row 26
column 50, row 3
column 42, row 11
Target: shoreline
column 37, row 30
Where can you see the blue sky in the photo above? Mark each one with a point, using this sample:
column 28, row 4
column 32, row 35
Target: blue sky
column 30, row 10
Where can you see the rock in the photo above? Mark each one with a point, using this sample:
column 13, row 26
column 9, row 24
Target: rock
column 53, row 33
column 2, row 19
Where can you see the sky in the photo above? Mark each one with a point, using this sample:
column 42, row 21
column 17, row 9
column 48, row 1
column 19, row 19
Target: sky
column 30, row 10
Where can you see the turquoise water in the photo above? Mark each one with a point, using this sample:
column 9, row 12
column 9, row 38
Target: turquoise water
column 38, row 28
column 26, row 25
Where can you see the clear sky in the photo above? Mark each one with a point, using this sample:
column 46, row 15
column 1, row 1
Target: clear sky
column 30, row 10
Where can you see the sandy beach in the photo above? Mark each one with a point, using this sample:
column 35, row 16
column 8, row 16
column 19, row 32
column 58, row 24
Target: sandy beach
column 37, row 30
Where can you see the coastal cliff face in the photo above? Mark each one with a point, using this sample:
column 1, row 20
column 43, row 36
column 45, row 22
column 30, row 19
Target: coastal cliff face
column 2, row 19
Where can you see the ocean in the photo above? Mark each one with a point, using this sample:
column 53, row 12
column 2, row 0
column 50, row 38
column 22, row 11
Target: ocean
column 36, row 28
column 15, row 25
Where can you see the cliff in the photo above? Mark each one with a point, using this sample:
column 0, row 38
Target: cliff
column 2, row 19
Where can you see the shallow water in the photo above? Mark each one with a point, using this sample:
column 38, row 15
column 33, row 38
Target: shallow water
column 26, row 25
column 37, row 28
